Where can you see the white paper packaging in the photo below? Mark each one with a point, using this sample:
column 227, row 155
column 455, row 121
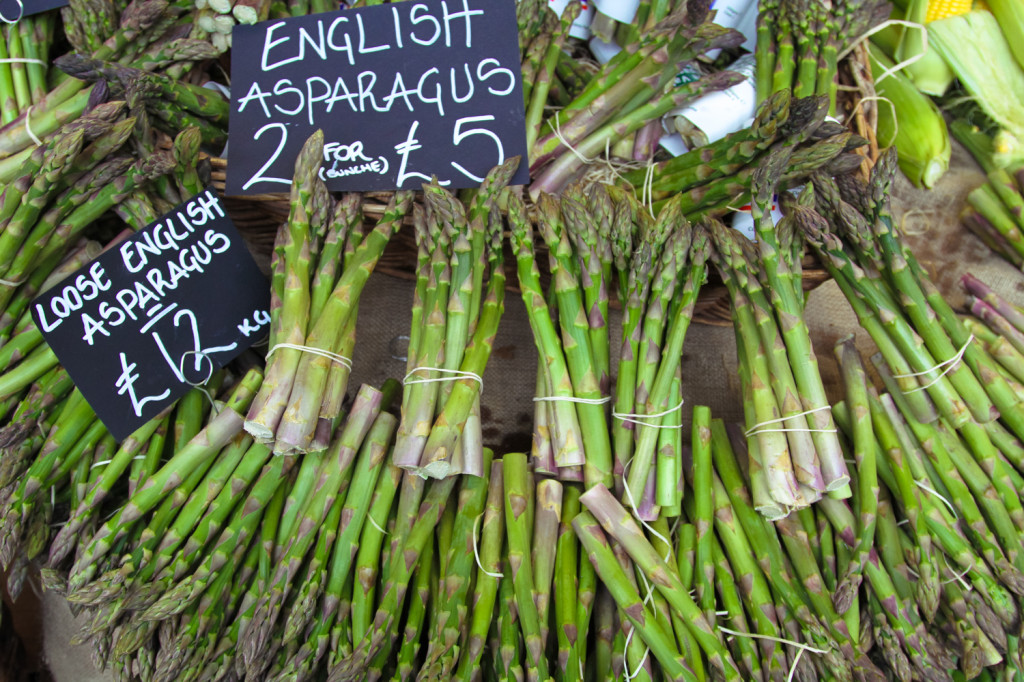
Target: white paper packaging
column 602, row 51
column 728, row 14
column 725, row 111
column 619, row 10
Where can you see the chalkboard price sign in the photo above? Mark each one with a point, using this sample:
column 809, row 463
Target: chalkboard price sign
column 11, row 11
column 156, row 314
column 402, row 91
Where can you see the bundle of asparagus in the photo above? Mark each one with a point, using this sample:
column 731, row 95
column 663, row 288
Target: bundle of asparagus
column 25, row 62
column 312, row 511
column 631, row 91
column 571, row 430
column 440, row 433
column 321, row 262
column 543, row 38
column 178, row 501
column 657, row 268
column 58, row 455
column 247, row 557
column 931, row 476
column 151, row 35
column 666, row 270
column 716, row 178
column 947, row 433
column 921, row 338
column 799, row 43
column 899, row 616
column 172, row 105
column 673, row 627
column 386, row 638
column 993, row 210
column 655, row 609
column 795, row 454
column 449, row 291
column 51, row 430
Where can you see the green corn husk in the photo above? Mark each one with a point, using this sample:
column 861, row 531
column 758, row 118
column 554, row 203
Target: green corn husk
column 913, row 124
column 976, row 50
column 1010, row 15
column 929, row 72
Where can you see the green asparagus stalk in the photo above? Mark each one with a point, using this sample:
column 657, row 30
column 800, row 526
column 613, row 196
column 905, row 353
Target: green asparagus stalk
column 631, row 605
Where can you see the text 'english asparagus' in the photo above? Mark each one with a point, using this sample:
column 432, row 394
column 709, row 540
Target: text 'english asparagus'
column 156, row 314
column 410, row 90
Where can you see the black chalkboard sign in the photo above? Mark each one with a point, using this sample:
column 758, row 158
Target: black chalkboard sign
column 13, row 10
column 157, row 313
column 402, row 91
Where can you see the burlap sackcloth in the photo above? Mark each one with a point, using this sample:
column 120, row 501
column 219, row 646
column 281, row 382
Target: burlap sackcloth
column 930, row 220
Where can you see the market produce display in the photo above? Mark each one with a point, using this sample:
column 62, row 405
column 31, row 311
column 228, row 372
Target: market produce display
column 278, row 523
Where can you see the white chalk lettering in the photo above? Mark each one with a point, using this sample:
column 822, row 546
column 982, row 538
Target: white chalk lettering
column 255, row 93
column 216, row 241
column 44, row 322
column 206, row 204
column 281, row 87
column 366, row 81
column 417, row 17
column 464, row 13
column 344, row 152
column 126, row 384
column 108, row 311
column 319, row 45
column 127, row 252
column 399, row 90
column 371, row 167
column 100, row 277
column 469, row 84
column 312, row 99
column 363, row 49
column 341, row 93
column 269, row 44
column 347, row 46
column 501, row 71
column 260, row 318
column 258, row 176
column 364, row 93
column 437, row 91
column 398, row 26
column 92, row 327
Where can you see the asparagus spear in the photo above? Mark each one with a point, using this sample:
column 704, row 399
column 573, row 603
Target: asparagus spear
column 450, row 612
column 630, row 603
column 617, row 522
column 864, row 446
